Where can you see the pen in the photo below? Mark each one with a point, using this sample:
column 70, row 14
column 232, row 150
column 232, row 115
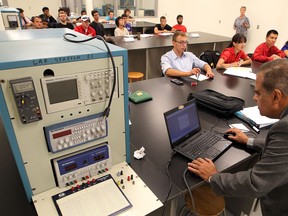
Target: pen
column 197, row 77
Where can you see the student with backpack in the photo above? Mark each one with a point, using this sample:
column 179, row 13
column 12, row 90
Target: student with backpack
column 234, row 55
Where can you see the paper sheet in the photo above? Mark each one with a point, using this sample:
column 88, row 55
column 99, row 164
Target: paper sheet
column 240, row 126
column 194, row 35
column 146, row 35
column 241, row 72
column 166, row 34
column 200, row 78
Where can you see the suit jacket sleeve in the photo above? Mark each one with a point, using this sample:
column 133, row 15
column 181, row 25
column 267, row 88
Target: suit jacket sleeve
column 268, row 173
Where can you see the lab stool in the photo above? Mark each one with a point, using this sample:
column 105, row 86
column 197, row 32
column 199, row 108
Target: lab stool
column 135, row 76
column 206, row 201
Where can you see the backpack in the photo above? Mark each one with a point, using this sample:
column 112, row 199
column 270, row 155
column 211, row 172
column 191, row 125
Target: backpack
column 211, row 57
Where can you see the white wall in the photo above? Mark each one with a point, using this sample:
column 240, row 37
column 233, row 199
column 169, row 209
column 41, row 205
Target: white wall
column 34, row 7
column 212, row 16
column 205, row 15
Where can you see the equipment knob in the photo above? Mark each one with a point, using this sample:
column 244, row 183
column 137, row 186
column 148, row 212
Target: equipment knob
column 71, row 143
column 65, row 145
column 92, row 84
column 93, row 130
column 102, row 127
column 98, row 129
column 93, row 94
column 100, row 92
column 84, row 135
column 67, row 140
column 61, row 141
column 59, row 147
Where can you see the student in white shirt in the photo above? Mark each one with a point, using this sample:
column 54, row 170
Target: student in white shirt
column 120, row 30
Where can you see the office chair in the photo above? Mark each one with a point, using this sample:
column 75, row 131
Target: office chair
column 149, row 31
column 206, row 201
column 250, row 54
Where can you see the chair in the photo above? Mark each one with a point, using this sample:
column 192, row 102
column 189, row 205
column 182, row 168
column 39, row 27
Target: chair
column 149, row 31
column 206, row 201
column 135, row 76
column 250, row 54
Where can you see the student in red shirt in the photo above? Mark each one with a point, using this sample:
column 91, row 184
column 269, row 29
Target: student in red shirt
column 179, row 26
column 267, row 51
column 233, row 55
column 84, row 28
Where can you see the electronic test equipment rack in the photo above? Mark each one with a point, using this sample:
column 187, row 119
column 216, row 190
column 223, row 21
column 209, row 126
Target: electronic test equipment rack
column 52, row 100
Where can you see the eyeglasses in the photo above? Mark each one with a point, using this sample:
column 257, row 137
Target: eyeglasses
column 182, row 42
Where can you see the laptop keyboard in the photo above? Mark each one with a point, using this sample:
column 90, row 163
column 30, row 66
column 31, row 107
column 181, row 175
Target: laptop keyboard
column 196, row 146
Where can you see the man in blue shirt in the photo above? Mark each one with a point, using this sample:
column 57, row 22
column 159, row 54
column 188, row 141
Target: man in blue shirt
column 179, row 63
column 110, row 18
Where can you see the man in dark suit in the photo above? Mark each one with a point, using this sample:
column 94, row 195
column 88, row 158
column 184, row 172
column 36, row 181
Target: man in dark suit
column 268, row 178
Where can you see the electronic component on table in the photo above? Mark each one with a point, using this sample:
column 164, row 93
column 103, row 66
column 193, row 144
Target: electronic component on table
column 75, row 132
column 73, row 168
column 77, row 90
column 26, row 100
column 177, row 82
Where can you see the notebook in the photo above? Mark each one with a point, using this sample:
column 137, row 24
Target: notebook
column 186, row 136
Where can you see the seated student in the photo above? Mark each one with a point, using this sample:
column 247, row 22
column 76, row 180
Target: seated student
column 120, row 30
column 179, row 26
column 233, row 55
column 285, row 49
column 180, row 63
column 85, row 28
column 163, row 26
column 25, row 21
column 63, row 23
column 110, row 18
column 67, row 11
column 127, row 11
column 127, row 25
column 267, row 51
column 37, row 23
column 47, row 19
column 98, row 27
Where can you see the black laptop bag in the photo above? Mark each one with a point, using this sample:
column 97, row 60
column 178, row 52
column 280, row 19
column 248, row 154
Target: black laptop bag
column 217, row 102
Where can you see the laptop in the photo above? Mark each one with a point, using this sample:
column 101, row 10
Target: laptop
column 186, row 136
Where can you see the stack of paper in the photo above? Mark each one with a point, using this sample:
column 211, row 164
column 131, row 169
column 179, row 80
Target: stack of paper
column 254, row 114
column 241, row 72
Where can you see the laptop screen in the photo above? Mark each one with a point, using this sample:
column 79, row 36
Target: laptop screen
column 182, row 122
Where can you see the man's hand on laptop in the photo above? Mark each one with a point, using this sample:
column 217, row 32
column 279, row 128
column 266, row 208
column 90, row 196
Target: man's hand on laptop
column 204, row 168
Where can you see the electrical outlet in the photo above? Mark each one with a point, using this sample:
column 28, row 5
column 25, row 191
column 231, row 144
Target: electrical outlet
column 219, row 21
column 258, row 26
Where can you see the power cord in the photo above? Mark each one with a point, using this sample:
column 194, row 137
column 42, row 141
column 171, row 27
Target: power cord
column 170, row 181
column 188, row 188
column 107, row 109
